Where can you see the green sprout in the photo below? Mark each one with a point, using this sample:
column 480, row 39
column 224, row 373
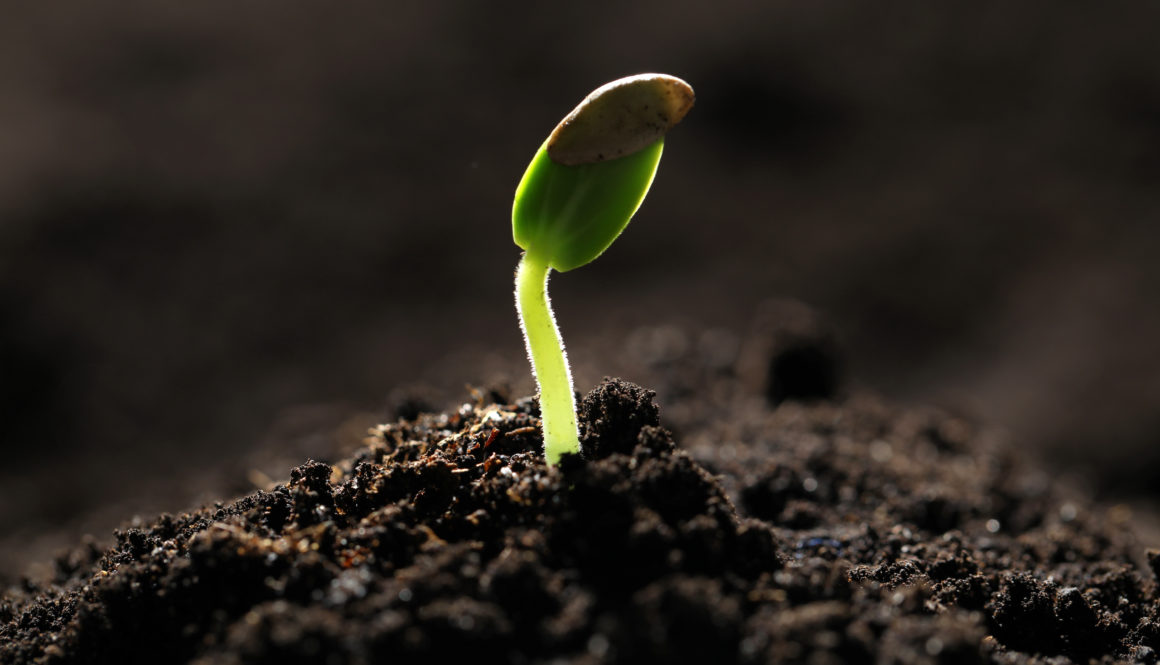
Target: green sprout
column 583, row 186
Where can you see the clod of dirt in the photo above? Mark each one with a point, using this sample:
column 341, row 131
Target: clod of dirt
column 614, row 415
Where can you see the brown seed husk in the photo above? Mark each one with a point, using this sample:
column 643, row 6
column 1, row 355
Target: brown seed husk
column 620, row 118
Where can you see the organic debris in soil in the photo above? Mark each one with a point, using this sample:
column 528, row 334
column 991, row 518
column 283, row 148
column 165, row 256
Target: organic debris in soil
column 824, row 533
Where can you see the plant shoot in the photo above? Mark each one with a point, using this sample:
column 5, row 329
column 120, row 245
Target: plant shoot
column 583, row 186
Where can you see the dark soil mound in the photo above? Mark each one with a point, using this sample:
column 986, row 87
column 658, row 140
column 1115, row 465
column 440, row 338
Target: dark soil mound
column 824, row 533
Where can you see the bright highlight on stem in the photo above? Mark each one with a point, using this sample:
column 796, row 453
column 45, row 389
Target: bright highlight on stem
column 549, row 359
column 580, row 191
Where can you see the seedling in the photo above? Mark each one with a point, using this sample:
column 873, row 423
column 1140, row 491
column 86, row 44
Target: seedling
column 583, row 186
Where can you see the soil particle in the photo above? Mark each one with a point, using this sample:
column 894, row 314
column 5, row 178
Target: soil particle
column 816, row 532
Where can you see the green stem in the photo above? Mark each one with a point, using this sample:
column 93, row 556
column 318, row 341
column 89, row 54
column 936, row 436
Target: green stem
column 549, row 361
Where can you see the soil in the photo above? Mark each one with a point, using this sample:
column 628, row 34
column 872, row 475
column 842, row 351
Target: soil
column 798, row 524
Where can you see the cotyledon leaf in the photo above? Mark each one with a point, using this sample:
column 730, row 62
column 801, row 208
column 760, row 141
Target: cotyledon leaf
column 591, row 175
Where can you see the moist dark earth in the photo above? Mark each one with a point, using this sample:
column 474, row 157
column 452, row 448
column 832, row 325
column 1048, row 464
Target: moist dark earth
column 795, row 523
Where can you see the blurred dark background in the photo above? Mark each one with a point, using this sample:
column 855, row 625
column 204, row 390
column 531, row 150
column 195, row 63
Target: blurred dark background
column 225, row 226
